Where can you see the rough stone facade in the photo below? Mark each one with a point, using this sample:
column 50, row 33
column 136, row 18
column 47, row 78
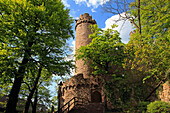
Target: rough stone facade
column 83, row 31
column 165, row 93
column 89, row 89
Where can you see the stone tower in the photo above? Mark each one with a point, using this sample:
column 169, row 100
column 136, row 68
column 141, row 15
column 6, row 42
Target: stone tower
column 83, row 86
column 83, row 31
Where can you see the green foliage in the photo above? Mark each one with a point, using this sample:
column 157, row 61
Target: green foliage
column 127, row 95
column 149, row 51
column 142, row 106
column 37, row 30
column 33, row 33
column 104, row 51
column 44, row 95
column 158, row 107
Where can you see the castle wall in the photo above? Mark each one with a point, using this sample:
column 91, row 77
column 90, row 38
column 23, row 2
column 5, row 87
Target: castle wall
column 165, row 93
column 79, row 87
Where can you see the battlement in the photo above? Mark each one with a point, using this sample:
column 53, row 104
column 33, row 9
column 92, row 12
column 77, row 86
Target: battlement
column 78, row 81
column 84, row 19
column 132, row 32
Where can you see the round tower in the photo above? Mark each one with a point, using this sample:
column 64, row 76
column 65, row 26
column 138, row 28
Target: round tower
column 82, row 27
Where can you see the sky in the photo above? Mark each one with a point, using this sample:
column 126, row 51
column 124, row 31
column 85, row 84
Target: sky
column 95, row 9
column 104, row 20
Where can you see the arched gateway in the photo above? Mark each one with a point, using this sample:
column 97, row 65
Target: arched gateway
column 96, row 97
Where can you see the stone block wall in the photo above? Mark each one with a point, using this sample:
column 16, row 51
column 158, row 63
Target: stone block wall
column 80, row 87
column 165, row 93
column 83, row 31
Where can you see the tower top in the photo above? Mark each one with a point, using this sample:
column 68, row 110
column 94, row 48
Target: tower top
column 84, row 19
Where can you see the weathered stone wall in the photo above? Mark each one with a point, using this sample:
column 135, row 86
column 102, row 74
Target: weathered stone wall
column 165, row 93
column 80, row 87
column 82, row 39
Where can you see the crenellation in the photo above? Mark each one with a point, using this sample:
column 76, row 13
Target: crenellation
column 85, row 19
column 86, row 15
column 81, row 17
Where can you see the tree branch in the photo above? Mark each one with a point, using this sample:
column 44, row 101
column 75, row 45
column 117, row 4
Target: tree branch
column 27, row 86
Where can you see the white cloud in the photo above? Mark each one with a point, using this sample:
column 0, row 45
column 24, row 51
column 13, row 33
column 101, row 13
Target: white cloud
column 65, row 3
column 71, row 56
column 73, row 46
column 124, row 27
column 76, row 18
column 73, row 14
column 92, row 10
column 93, row 3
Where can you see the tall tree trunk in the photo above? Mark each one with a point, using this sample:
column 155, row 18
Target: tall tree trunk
column 27, row 105
column 139, row 21
column 161, row 82
column 13, row 96
column 35, row 101
column 150, row 94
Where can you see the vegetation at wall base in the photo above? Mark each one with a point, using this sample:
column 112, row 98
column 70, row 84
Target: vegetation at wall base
column 158, row 107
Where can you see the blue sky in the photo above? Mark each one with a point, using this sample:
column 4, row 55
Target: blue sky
column 103, row 19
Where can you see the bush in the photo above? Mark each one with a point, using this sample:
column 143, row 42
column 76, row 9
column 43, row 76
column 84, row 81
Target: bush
column 158, row 107
column 142, row 106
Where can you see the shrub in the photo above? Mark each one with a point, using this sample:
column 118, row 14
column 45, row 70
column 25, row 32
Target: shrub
column 142, row 106
column 158, row 107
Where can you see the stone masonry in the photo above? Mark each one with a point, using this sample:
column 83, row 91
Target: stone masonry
column 83, row 31
column 165, row 93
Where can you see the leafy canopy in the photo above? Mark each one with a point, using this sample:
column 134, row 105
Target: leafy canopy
column 33, row 33
column 104, row 51
column 37, row 30
column 149, row 51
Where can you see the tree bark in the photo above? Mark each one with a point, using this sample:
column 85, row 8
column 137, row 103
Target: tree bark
column 35, row 101
column 161, row 82
column 13, row 96
column 32, row 91
column 139, row 17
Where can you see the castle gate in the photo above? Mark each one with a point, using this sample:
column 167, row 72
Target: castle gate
column 96, row 97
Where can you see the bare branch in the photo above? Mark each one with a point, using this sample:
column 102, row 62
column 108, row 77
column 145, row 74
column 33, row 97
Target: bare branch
column 121, row 7
column 139, row 17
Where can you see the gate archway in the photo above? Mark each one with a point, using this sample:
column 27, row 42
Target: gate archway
column 96, row 97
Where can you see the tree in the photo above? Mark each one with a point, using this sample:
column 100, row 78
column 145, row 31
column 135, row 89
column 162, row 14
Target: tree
column 6, row 67
column 34, row 88
column 36, row 33
column 104, row 52
column 149, row 51
column 106, row 55
column 149, row 47
column 39, row 90
column 121, row 8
